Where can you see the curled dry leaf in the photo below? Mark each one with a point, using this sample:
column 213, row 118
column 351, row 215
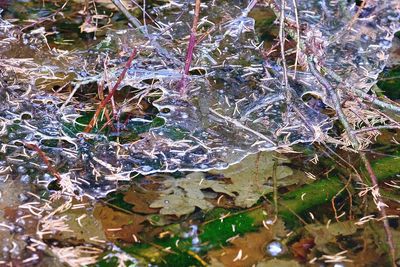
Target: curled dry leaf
column 302, row 248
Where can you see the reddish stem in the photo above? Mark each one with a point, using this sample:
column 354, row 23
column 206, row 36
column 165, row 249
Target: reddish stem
column 191, row 46
column 189, row 54
column 45, row 159
column 104, row 102
column 382, row 210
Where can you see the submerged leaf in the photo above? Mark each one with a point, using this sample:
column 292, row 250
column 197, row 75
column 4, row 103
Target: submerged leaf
column 84, row 226
column 180, row 204
column 118, row 225
column 325, row 234
column 185, row 194
column 141, row 200
column 195, row 182
column 252, row 178
column 302, row 248
column 249, row 180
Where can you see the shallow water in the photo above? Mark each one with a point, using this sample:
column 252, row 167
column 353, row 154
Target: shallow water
column 75, row 198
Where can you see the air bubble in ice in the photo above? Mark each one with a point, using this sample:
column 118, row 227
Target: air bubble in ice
column 21, row 170
column 22, row 197
column 274, row 248
column 25, row 179
column 147, row 168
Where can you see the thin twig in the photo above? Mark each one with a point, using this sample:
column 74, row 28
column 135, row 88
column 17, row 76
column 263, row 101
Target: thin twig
column 334, row 97
column 76, row 87
column 192, row 39
column 128, row 15
column 45, row 159
column 143, row 29
column 43, row 19
column 275, row 185
column 282, row 38
column 342, row 117
column 296, row 13
column 376, row 128
column 348, row 182
column 381, row 208
column 341, row 162
column 370, row 98
column 143, row 8
column 351, row 23
column 375, row 101
column 242, row 126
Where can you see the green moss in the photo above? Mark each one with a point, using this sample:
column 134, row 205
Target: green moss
column 138, row 248
column 213, row 234
column 313, row 194
column 180, row 259
column 217, row 232
column 387, row 167
column 107, row 262
column 81, row 122
column 157, row 122
column 322, row 191
column 129, row 134
column 215, row 214
column 389, row 83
